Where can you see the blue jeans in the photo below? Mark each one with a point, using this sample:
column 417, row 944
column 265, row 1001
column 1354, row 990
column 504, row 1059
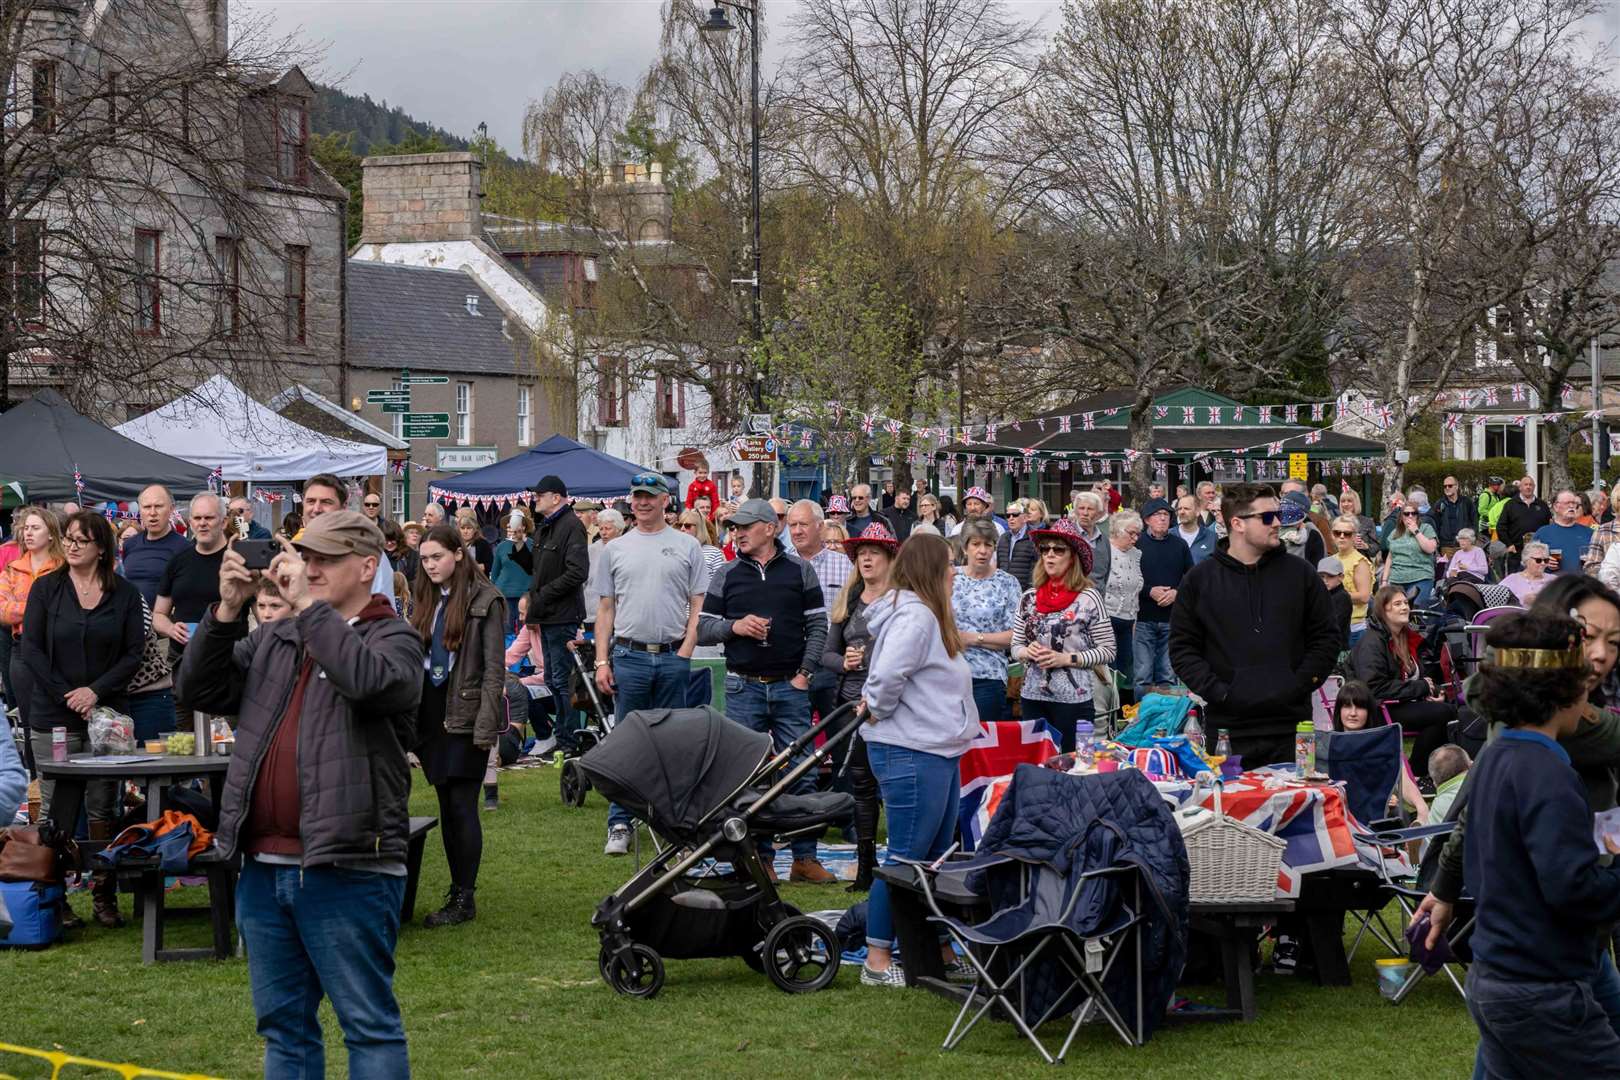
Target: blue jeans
column 782, row 711
column 646, row 680
column 1541, row 1028
column 990, row 695
column 316, row 931
column 153, row 713
column 512, row 623
column 920, row 793
column 1425, row 590
column 1152, row 656
column 554, row 641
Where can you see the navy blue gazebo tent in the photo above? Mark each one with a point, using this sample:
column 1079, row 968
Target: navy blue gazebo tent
column 589, row 474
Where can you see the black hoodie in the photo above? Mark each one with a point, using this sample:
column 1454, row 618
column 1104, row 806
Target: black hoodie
column 1253, row 641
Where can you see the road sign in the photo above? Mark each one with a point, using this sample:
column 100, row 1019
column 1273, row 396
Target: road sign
column 377, row 397
column 1299, row 467
column 425, row 380
column 753, row 448
column 426, row 425
column 396, row 406
column 759, row 423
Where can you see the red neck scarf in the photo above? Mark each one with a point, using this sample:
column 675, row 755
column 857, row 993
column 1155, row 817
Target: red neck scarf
column 1053, row 596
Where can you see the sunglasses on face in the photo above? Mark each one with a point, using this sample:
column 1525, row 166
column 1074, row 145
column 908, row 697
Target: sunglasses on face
column 1534, row 559
column 1409, row 513
column 1052, row 548
column 1340, row 532
column 1265, row 517
column 373, row 506
column 688, row 525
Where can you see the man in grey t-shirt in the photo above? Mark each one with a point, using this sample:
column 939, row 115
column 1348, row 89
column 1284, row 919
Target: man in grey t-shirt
column 651, row 582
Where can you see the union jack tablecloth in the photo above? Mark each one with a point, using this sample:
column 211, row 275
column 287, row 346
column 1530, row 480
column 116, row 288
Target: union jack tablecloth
column 1311, row 818
column 988, row 766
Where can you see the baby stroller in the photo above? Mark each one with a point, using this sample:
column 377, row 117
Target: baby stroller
column 583, row 696
column 710, row 788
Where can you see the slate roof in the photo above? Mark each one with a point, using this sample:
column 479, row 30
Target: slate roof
column 416, row 317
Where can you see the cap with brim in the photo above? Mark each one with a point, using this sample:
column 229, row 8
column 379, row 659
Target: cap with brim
column 588, row 504
column 648, row 484
column 552, row 484
column 1067, row 531
column 1331, row 565
column 339, row 533
column 1154, row 506
column 877, row 534
column 1293, row 507
column 751, row 512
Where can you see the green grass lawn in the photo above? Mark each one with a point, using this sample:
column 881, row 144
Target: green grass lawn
column 516, row 994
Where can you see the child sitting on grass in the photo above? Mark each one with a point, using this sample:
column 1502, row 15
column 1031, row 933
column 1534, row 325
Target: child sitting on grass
column 1544, row 905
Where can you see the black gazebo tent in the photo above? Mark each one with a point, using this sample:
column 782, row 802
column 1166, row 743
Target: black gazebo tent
column 43, row 439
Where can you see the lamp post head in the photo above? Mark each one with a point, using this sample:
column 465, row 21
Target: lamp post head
column 717, row 22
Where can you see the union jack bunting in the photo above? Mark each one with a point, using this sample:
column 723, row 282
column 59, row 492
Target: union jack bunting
column 1452, row 420
column 1265, row 414
column 1214, row 412
column 1518, row 392
column 1015, row 425
column 1519, row 421
column 1189, row 415
column 990, row 433
column 1274, row 448
column 1314, row 437
column 1384, row 416
column 942, row 436
column 1041, row 421
column 1088, row 422
column 1161, row 412
column 1566, row 394
column 1491, row 395
column 805, row 439
column 1479, row 421
column 1085, row 466
column 1586, row 437
column 1111, row 412
column 838, row 412
column 1291, row 414
column 893, row 426
column 1317, row 409
column 867, row 420
column 1065, row 424
column 1549, row 418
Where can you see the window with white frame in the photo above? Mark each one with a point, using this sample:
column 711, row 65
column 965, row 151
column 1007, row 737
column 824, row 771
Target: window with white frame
column 525, row 433
column 396, row 500
column 398, row 418
column 464, row 408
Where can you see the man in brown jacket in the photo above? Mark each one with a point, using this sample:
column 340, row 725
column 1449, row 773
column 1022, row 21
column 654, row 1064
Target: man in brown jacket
column 316, row 795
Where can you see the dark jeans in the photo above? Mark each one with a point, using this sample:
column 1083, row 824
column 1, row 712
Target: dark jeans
column 823, row 693
column 1427, row 721
column 1060, row 717
column 1125, row 651
column 512, row 623
column 323, row 931
column 554, row 641
column 920, row 794
column 782, row 711
column 153, row 713
column 462, row 828
column 990, row 695
column 1151, row 663
column 1529, row 1029
column 645, row 681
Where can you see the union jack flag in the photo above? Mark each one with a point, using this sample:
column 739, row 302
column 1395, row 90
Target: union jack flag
column 1189, row 415
column 838, row 412
column 804, row 439
column 1451, row 421
column 1214, row 414
column 1291, row 414
column 987, row 768
column 1518, row 392
column 893, row 426
column 1384, row 415
column 1274, row 448
column 1567, row 393
column 1015, row 426
column 1160, row 412
column 1491, row 395
column 990, row 433
column 943, row 436
column 1085, row 467
column 1314, row 437
column 1112, row 412
column 1041, row 423
column 1265, row 414
column 1089, row 422
column 1065, row 424
column 867, row 420
column 1549, row 418
column 1317, row 410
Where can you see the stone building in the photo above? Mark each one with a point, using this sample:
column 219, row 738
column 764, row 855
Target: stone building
column 425, row 210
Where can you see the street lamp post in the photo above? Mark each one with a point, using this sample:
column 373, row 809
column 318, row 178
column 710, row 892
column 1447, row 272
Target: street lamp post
column 718, row 23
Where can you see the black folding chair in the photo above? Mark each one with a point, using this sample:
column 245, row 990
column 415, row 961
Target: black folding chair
column 1408, row 893
column 1084, row 923
column 1369, row 764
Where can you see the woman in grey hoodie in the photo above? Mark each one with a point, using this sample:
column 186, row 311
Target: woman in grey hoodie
column 918, row 701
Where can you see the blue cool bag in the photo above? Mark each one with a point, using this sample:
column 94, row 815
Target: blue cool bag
column 35, row 911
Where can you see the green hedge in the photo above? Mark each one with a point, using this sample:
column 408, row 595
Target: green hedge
column 1427, row 473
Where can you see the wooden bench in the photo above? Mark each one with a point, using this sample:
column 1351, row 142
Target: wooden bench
column 154, row 912
column 1235, row 927
column 420, row 827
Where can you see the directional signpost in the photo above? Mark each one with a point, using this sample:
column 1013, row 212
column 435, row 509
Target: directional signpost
column 424, row 380
column 413, row 425
column 426, row 425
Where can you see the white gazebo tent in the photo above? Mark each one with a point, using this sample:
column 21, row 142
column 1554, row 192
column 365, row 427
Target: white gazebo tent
column 219, row 426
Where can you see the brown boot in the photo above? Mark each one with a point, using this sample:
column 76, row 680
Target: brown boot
column 104, row 885
column 810, row 871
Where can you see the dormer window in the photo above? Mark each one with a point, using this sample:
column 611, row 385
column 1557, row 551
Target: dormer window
column 292, row 141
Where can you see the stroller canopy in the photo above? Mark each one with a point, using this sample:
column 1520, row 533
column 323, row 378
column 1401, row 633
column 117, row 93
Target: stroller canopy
column 675, row 766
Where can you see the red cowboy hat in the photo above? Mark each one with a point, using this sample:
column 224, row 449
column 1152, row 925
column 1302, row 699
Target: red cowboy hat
column 1067, row 531
column 875, row 533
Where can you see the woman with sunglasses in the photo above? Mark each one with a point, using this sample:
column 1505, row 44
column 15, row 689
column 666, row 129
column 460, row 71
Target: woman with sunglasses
column 1534, row 577
column 695, row 525
column 1387, row 659
column 1061, row 632
column 1410, row 562
column 1358, row 572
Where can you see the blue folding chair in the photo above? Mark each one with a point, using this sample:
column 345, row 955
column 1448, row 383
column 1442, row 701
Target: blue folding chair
column 1369, row 764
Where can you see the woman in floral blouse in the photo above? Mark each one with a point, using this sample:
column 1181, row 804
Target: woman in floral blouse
column 985, row 601
column 1062, row 630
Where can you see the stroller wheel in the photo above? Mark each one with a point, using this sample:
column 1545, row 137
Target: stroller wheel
column 801, row 955
column 640, row 974
column 573, row 784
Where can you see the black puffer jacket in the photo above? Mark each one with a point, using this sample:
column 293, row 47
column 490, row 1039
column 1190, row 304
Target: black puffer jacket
column 562, row 562
column 359, row 714
column 1376, row 663
column 1016, row 557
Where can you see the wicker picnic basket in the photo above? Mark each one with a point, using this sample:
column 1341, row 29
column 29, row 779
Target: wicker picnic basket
column 1231, row 863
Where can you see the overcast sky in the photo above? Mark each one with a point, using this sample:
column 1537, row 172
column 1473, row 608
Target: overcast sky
column 456, row 63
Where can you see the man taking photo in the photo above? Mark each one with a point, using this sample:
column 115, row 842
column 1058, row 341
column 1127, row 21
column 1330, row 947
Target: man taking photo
column 315, row 797
column 1252, row 631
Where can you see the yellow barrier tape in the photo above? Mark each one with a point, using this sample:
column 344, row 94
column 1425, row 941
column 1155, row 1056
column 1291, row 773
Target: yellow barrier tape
column 59, row 1060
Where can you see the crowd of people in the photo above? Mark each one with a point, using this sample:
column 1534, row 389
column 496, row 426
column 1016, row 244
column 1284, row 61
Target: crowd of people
column 371, row 649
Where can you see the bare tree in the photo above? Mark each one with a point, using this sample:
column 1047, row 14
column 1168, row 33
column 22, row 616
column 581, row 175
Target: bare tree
column 1451, row 91
column 157, row 200
column 1191, row 191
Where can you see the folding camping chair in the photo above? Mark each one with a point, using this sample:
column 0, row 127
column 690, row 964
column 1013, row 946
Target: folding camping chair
column 1408, row 893
column 1323, row 700
column 1369, row 764
column 1105, row 698
column 1043, row 926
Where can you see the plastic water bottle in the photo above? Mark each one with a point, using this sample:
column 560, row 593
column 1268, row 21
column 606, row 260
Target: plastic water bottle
column 1195, row 733
column 1223, row 744
column 1305, row 749
column 1084, row 751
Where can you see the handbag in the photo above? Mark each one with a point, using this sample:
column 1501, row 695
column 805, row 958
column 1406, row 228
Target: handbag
column 34, row 853
column 154, row 672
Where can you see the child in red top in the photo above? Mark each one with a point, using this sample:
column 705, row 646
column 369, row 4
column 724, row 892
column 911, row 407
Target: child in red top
column 702, row 485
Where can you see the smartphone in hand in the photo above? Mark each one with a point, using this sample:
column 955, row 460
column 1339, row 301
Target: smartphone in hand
column 256, row 554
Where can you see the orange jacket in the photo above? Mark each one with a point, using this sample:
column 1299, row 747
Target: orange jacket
column 15, row 580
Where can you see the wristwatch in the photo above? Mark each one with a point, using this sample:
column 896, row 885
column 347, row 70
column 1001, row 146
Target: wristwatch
column 1074, row 659
column 602, row 663
column 803, row 672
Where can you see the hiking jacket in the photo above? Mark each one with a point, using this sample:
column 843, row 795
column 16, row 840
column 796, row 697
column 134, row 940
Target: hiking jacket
column 1253, row 641
column 1450, row 518
column 475, row 703
column 562, row 562
column 358, row 717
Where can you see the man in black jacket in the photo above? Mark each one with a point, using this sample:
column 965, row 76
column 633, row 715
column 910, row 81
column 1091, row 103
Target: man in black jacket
column 1252, row 631
column 1523, row 515
column 557, row 596
column 1453, row 513
column 1015, row 551
column 316, row 798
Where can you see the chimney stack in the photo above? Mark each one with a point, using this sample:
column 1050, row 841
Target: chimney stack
column 415, row 198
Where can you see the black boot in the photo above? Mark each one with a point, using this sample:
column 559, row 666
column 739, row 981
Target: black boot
column 865, row 864
column 492, row 797
column 458, row 908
